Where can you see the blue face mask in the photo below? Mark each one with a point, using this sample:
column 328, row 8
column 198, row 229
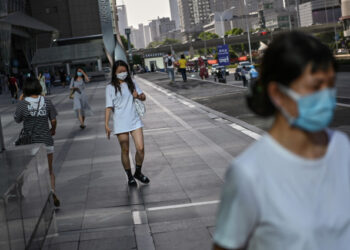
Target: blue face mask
column 315, row 111
column 79, row 74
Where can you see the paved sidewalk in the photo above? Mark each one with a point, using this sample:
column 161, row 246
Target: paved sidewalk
column 188, row 149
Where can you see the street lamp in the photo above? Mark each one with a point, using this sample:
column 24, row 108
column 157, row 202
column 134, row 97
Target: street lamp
column 222, row 23
column 248, row 33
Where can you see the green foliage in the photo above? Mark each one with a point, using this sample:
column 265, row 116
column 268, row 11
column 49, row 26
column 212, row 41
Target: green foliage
column 170, row 41
column 125, row 42
column 137, row 59
column 207, row 36
column 167, row 41
column 234, row 31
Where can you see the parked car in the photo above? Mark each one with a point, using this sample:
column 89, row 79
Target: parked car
column 215, row 69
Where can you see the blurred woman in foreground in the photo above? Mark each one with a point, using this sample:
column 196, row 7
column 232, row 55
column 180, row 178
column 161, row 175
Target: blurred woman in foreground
column 291, row 189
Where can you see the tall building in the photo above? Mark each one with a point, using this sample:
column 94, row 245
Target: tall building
column 18, row 33
column 174, row 9
column 122, row 19
column 137, row 37
column 222, row 5
column 345, row 8
column 78, row 18
column 319, row 12
column 154, row 30
column 166, row 25
column 147, row 31
column 194, row 14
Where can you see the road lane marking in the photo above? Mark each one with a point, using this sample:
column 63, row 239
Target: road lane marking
column 343, row 105
column 136, row 218
column 245, row 131
column 195, row 204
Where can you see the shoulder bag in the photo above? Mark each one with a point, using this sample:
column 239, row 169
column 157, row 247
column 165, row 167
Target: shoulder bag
column 25, row 138
column 140, row 107
column 71, row 95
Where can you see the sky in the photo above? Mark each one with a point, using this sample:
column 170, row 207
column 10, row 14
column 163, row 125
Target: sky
column 141, row 11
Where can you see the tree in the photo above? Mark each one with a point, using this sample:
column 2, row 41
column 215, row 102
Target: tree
column 125, row 42
column 154, row 44
column 234, row 31
column 207, row 36
column 170, row 41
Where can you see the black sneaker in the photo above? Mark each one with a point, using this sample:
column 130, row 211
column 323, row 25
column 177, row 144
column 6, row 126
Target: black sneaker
column 132, row 182
column 141, row 178
column 56, row 201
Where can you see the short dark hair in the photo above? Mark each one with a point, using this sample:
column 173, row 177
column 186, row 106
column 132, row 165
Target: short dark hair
column 169, row 53
column 32, row 87
column 182, row 56
column 284, row 61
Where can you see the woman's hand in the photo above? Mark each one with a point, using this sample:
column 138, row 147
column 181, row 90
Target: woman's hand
column 108, row 132
column 135, row 94
column 53, row 131
column 21, row 98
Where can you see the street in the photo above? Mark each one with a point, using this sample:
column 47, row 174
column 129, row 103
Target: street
column 229, row 98
column 192, row 132
column 188, row 148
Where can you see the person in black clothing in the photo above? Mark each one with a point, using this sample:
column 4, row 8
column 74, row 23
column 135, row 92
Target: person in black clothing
column 35, row 111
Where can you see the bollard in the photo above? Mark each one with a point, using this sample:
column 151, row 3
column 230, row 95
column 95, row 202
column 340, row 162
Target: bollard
column 2, row 144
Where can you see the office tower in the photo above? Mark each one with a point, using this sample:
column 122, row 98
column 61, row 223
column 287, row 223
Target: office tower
column 174, row 9
column 122, row 19
column 194, row 14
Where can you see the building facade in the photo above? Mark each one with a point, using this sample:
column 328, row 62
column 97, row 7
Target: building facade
column 319, row 12
column 122, row 19
column 345, row 8
column 174, row 10
column 194, row 14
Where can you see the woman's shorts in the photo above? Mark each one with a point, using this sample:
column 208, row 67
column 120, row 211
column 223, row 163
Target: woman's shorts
column 50, row 149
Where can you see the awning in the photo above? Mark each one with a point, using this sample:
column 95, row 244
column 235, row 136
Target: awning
column 68, row 53
column 23, row 20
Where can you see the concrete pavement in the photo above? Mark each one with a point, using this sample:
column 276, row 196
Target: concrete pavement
column 188, row 148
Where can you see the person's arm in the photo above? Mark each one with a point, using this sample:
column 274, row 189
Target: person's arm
column 53, row 126
column 138, row 93
column 87, row 79
column 107, row 117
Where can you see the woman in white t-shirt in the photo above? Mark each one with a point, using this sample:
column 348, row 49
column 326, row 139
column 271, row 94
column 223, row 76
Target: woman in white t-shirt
column 120, row 95
column 291, row 189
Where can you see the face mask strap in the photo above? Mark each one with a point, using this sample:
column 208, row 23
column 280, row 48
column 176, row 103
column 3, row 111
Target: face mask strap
column 289, row 92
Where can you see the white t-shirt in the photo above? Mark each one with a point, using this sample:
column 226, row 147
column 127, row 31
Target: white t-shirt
column 125, row 117
column 166, row 62
column 274, row 199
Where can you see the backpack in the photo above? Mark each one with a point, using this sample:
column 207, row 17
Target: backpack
column 170, row 61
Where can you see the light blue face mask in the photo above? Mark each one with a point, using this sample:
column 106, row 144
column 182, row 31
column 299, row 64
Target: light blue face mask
column 315, row 110
column 80, row 74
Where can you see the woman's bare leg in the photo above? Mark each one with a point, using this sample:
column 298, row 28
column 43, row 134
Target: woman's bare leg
column 140, row 155
column 139, row 144
column 124, row 145
column 80, row 117
column 52, row 175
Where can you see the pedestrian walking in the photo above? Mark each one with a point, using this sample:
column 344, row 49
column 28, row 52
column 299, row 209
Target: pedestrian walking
column 169, row 64
column 291, row 189
column 121, row 95
column 41, row 79
column 36, row 112
column 203, row 72
column 182, row 67
column 245, row 76
column 14, row 89
column 80, row 100
column 48, row 82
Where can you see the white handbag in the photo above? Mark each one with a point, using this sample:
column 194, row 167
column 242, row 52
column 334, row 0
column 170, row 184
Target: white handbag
column 140, row 107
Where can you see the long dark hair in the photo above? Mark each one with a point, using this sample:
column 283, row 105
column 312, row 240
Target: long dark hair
column 76, row 74
column 284, row 61
column 115, row 81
